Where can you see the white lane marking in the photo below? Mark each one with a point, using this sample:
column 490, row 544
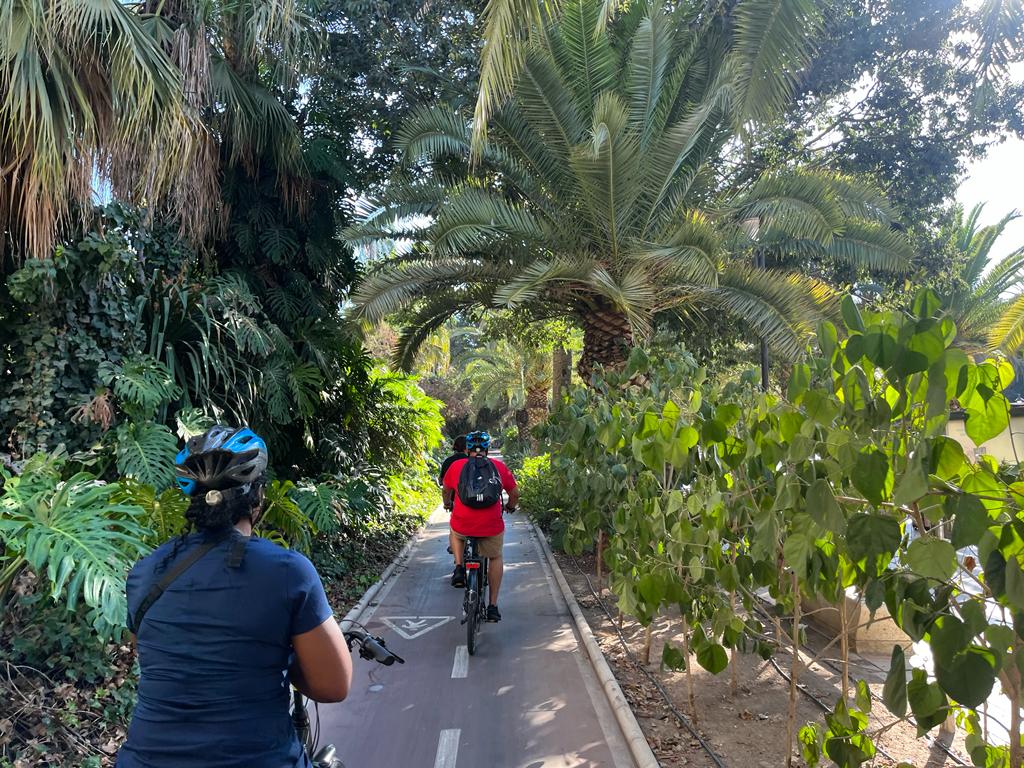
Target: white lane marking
column 411, row 627
column 447, row 748
column 461, row 666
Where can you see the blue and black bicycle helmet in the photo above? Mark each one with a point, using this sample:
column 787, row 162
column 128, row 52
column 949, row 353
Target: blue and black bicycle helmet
column 221, row 458
column 476, row 440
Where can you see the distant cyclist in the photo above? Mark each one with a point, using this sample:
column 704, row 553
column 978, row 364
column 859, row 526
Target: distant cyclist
column 223, row 621
column 458, row 452
column 483, row 523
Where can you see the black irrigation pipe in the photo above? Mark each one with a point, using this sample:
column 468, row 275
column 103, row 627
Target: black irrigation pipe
column 661, row 689
column 876, row 697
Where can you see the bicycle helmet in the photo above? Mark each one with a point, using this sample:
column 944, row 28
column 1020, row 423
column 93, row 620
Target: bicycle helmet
column 221, row 458
column 476, row 440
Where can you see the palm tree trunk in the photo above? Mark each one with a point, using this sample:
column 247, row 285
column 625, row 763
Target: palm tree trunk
column 607, row 340
column 536, row 410
column 560, row 362
column 522, row 417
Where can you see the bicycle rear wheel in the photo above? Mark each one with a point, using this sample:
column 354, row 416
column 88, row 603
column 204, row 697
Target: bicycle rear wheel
column 472, row 610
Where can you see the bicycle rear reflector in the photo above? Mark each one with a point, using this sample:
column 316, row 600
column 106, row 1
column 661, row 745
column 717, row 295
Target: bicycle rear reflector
column 472, row 566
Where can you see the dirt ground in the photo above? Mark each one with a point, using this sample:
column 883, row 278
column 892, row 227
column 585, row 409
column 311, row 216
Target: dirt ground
column 748, row 730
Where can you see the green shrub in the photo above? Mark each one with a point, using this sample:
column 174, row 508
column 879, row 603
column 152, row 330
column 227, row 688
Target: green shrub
column 415, row 491
column 540, row 495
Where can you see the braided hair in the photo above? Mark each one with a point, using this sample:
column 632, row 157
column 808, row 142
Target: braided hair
column 216, row 519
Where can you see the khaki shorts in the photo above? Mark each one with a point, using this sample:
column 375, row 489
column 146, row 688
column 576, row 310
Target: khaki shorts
column 487, row 546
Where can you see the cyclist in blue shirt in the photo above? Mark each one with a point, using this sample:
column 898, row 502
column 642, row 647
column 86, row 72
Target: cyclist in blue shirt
column 238, row 619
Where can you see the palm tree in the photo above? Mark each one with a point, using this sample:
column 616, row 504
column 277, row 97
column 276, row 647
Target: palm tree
column 140, row 97
column 597, row 194
column 85, row 89
column 981, row 300
column 512, row 379
column 772, row 42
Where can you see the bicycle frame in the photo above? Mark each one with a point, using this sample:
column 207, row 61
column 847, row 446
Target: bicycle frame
column 474, row 605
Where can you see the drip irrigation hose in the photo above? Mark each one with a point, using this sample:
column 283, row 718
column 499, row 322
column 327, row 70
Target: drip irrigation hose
column 959, row 760
column 661, row 689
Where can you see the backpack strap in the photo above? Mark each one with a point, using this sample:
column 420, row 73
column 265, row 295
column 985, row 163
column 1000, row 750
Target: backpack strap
column 172, row 575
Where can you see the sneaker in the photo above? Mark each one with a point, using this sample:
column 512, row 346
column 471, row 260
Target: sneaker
column 493, row 614
column 459, row 576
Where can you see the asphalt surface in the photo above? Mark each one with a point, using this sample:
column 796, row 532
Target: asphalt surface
column 526, row 699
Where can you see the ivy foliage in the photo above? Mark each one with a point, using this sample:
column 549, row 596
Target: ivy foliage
column 714, row 494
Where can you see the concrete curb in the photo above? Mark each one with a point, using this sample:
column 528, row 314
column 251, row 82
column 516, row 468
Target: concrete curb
column 643, row 757
column 354, row 615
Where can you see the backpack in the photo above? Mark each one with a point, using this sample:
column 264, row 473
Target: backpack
column 479, row 483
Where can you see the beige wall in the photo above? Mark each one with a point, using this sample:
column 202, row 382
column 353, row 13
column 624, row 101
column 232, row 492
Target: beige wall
column 1000, row 446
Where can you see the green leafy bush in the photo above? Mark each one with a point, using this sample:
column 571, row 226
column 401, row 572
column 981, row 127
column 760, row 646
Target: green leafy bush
column 540, row 495
column 415, row 492
column 849, row 481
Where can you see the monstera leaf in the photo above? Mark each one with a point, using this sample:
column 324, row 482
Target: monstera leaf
column 75, row 535
column 146, row 453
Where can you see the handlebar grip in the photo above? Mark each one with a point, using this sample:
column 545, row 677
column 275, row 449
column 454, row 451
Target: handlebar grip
column 374, row 649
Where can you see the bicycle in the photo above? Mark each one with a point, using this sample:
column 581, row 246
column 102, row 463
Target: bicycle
column 370, row 647
column 474, row 605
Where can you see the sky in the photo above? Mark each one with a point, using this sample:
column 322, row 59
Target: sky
column 998, row 181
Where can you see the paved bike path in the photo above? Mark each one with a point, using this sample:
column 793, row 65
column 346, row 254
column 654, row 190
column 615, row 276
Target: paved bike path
column 526, row 699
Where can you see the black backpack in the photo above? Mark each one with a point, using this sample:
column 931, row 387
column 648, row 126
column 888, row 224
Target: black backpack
column 479, row 483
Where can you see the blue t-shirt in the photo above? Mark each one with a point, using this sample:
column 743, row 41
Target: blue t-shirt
column 213, row 651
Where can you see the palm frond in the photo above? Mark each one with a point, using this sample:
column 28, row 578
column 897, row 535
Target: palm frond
column 691, row 252
column 781, row 308
column 773, row 42
column 475, row 217
column 679, row 141
column 1008, row 333
column 979, row 247
column 432, row 132
column 609, row 170
column 797, row 205
column 508, row 25
column 584, row 53
column 398, row 284
column 433, row 313
column 1004, row 276
column 527, row 285
column 871, row 246
column 1000, row 30
column 648, row 63
column 547, row 103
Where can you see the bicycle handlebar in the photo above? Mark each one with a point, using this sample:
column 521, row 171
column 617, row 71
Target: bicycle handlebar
column 371, row 647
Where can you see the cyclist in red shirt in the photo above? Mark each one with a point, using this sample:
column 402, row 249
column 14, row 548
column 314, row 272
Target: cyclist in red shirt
column 485, row 525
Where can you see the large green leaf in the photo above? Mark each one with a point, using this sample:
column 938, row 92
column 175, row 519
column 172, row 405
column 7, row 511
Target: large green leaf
column 931, row 557
column 969, row 676
column 146, row 451
column 871, row 536
column 894, row 693
column 76, row 538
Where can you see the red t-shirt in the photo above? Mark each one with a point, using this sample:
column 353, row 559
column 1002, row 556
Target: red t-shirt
column 477, row 522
